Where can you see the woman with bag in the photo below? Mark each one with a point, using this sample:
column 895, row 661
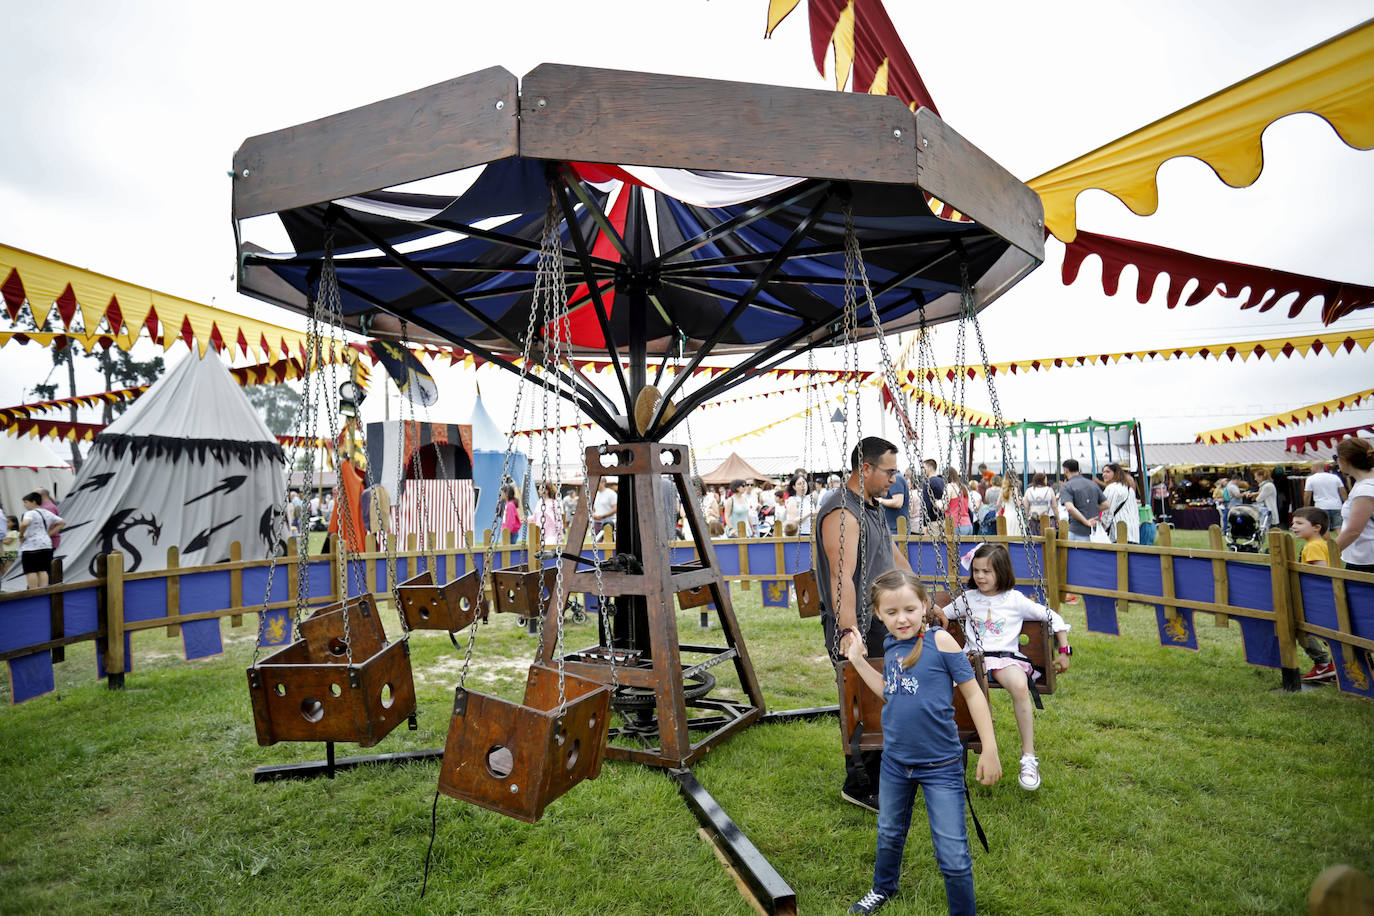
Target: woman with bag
column 1123, row 505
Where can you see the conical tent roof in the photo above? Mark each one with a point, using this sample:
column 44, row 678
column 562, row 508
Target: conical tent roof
column 197, row 399
column 486, row 435
column 25, row 465
column 733, row 468
column 191, row 465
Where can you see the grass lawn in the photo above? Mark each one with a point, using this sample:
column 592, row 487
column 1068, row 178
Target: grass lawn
column 1174, row 782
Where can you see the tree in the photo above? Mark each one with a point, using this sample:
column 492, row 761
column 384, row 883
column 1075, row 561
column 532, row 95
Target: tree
column 278, row 405
column 121, row 367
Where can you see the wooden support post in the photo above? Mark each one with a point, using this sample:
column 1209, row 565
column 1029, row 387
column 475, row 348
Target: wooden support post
column 1049, row 554
column 534, row 538
column 1221, row 588
column 1342, row 606
column 115, row 663
column 370, row 573
column 236, row 583
column 1280, row 554
column 741, row 544
column 173, row 589
column 56, row 612
column 1165, row 538
column 1123, row 572
column 337, row 567
column 1341, row 890
column 293, row 581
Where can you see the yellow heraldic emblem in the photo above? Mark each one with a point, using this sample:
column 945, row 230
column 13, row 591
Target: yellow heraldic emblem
column 776, row 591
column 1355, row 673
column 276, row 630
column 1176, row 629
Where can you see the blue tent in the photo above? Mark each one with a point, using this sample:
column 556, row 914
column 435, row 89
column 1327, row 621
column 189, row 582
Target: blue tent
column 488, row 460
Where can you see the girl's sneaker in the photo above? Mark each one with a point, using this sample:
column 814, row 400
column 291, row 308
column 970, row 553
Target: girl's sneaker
column 1030, row 772
column 869, row 903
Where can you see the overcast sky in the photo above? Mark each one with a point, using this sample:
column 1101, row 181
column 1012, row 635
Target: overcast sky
column 121, row 119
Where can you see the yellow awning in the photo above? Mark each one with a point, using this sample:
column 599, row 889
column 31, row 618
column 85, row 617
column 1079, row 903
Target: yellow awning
column 1329, row 343
column 50, row 285
column 1283, row 420
column 1334, row 80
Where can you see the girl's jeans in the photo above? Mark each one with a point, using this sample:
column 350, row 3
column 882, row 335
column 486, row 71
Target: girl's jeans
column 943, row 786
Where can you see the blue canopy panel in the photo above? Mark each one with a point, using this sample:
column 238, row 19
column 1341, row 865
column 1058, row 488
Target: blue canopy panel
column 479, row 250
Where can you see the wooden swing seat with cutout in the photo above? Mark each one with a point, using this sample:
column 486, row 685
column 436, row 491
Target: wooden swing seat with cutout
column 1035, row 641
column 452, row 606
column 515, row 759
column 308, row 691
column 859, row 705
column 524, row 592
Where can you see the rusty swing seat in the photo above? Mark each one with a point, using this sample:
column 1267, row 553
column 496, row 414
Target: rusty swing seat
column 861, row 707
column 515, row 759
column 308, row 691
column 1035, row 642
column 452, row 606
column 526, row 592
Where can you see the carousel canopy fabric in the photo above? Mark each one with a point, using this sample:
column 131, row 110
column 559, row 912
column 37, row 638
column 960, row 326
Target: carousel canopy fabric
column 190, row 465
column 1334, row 81
column 661, row 215
column 690, row 216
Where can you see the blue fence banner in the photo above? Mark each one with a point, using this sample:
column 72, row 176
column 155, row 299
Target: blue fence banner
column 777, row 593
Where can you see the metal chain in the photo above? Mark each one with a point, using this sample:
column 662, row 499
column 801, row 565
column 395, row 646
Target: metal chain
column 550, row 217
column 329, row 301
column 935, row 534
column 999, row 422
column 550, row 298
column 302, row 419
column 850, row 343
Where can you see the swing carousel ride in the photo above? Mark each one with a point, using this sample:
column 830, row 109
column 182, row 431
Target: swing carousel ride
column 650, row 221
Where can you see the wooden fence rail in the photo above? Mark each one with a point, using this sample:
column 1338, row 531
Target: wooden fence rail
column 1274, row 598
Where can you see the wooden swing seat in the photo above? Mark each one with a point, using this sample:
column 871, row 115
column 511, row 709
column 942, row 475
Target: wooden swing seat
column 452, row 606
column 522, row 591
column 515, row 759
column 808, row 595
column 1035, row 641
column 689, row 598
column 307, row 691
column 859, row 705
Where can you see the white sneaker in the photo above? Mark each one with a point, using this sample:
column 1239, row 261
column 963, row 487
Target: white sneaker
column 1030, row 772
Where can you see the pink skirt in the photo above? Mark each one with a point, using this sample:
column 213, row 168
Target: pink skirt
column 991, row 664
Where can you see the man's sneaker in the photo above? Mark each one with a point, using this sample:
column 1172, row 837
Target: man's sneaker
column 867, row 802
column 869, row 903
column 1030, row 772
column 1320, row 673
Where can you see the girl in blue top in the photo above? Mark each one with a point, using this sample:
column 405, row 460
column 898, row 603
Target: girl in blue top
column 920, row 742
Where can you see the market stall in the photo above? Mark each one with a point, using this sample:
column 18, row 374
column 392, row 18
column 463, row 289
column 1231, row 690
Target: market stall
column 1185, row 474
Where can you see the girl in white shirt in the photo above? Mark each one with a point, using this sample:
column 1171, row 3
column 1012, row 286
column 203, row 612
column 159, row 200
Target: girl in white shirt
column 994, row 612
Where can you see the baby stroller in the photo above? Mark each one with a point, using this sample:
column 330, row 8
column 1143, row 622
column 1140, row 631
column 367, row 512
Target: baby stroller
column 1245, row 529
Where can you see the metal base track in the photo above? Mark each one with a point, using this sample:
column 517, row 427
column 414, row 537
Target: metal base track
column 328, row 767
column 768, row 888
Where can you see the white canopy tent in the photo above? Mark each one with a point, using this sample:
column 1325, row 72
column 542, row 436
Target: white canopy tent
column 26, row 465
column 190, row 465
